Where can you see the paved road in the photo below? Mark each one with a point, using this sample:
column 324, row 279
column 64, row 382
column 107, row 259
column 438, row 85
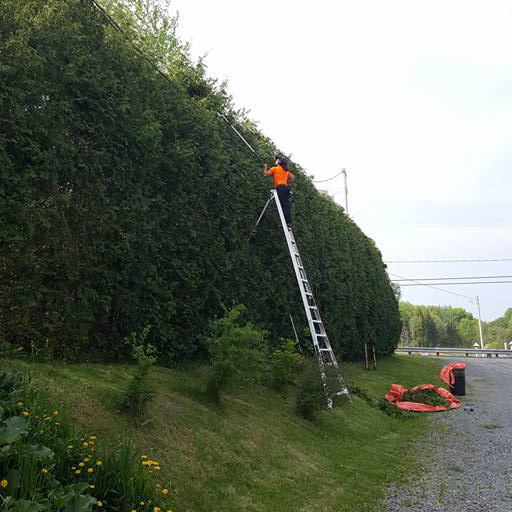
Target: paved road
column 468, row 459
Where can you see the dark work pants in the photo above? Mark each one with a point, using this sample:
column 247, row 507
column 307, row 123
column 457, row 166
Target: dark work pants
column 283, row 192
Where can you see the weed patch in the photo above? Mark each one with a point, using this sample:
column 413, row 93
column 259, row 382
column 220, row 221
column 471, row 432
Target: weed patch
column 45, row 466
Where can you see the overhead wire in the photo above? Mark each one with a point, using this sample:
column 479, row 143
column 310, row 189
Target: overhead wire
column 431, row 286
column 153, row 65
column 328, row 179
column 116, row 25
column 454, row 278
column 452, row 284
column 447, row 261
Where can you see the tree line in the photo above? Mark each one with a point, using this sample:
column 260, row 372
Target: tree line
column 126, row 202
column 445, row 326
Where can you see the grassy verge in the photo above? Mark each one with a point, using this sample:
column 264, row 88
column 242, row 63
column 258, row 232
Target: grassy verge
column 251, row 452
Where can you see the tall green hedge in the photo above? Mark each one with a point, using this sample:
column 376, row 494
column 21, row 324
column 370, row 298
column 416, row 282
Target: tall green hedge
column 126, row 201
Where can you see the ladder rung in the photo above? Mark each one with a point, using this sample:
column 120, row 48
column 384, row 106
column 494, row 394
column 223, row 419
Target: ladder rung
column 324, row 350
column 317, row 321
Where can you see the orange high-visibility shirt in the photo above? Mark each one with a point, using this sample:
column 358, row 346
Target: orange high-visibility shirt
column 279, row 175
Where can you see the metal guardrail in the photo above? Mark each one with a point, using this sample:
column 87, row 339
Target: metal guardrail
column 488, row 352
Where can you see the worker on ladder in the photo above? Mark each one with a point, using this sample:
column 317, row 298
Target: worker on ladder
column 282, row 179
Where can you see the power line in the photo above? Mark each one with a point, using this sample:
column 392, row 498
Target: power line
column 452, row 278
column 116, row 25
column 451, row 284
column 446, row 261
column 434, row 287
column 329, row 179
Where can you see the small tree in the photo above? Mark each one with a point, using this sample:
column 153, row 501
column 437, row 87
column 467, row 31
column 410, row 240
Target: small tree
column 284, row 365
column 310, row 395
column 138, row 395
column 237, row 352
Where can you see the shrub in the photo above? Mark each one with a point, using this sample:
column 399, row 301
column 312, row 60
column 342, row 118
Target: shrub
column 310, row 395
column 393, row 411
column 237, row 353
column 284, row 365
column 137, row 396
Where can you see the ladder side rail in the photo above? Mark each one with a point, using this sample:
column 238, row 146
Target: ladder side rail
column 292, row 246
column 297, row 274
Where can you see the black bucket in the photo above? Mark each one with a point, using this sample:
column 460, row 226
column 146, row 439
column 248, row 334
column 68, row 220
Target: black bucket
column 459, row 385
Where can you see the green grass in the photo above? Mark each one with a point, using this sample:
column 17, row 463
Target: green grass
column 251, row 452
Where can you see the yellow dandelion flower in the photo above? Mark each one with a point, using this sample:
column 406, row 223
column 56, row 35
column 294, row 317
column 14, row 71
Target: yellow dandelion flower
column 44, row 471
column 93, row 438
column 55, row 413
column 20, row 404
column 165, row 491
column 87, row 459
column 85, row 444
column 90, row 470
column 69, row 446
column 26, row 413
column 157, row 509
column 145, row 463
column 81, row 464
column 142, row 502
column 99, row 503
column 99, row 463
column 57, row 423
column 78, row 471
column 3, row 483
column 143, row 456
column 157, row 468
column 91, row 487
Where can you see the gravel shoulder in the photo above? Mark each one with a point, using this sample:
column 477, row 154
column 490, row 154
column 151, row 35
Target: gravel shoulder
column 467, row 458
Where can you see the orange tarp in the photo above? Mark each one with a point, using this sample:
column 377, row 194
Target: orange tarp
column 396, row 392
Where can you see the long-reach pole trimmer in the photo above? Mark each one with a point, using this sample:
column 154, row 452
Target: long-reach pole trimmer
column 260, row 159
column 242, row 137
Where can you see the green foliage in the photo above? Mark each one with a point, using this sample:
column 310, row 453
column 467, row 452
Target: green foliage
column 310, row 395
column 237, row 353
column 424, row 397
column 444, row 326
column 137, row 396
column 120, row 201
column 284, row 364
column 437, row 326
column 499, row 331
column 393, row 411
column 45, row 466
column 363, row 394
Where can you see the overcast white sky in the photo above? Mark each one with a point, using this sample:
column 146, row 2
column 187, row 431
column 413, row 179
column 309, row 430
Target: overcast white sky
column 413, row 98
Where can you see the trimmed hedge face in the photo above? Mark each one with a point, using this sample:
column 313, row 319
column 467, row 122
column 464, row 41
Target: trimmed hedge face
column 125, row 201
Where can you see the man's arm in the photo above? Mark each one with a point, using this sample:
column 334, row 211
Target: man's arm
column 266, row 171
column 291, row 177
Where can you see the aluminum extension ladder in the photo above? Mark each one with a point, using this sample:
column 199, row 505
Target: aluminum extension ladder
column 321, row 344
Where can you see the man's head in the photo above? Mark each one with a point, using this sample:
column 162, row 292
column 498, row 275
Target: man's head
column 280, row 160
